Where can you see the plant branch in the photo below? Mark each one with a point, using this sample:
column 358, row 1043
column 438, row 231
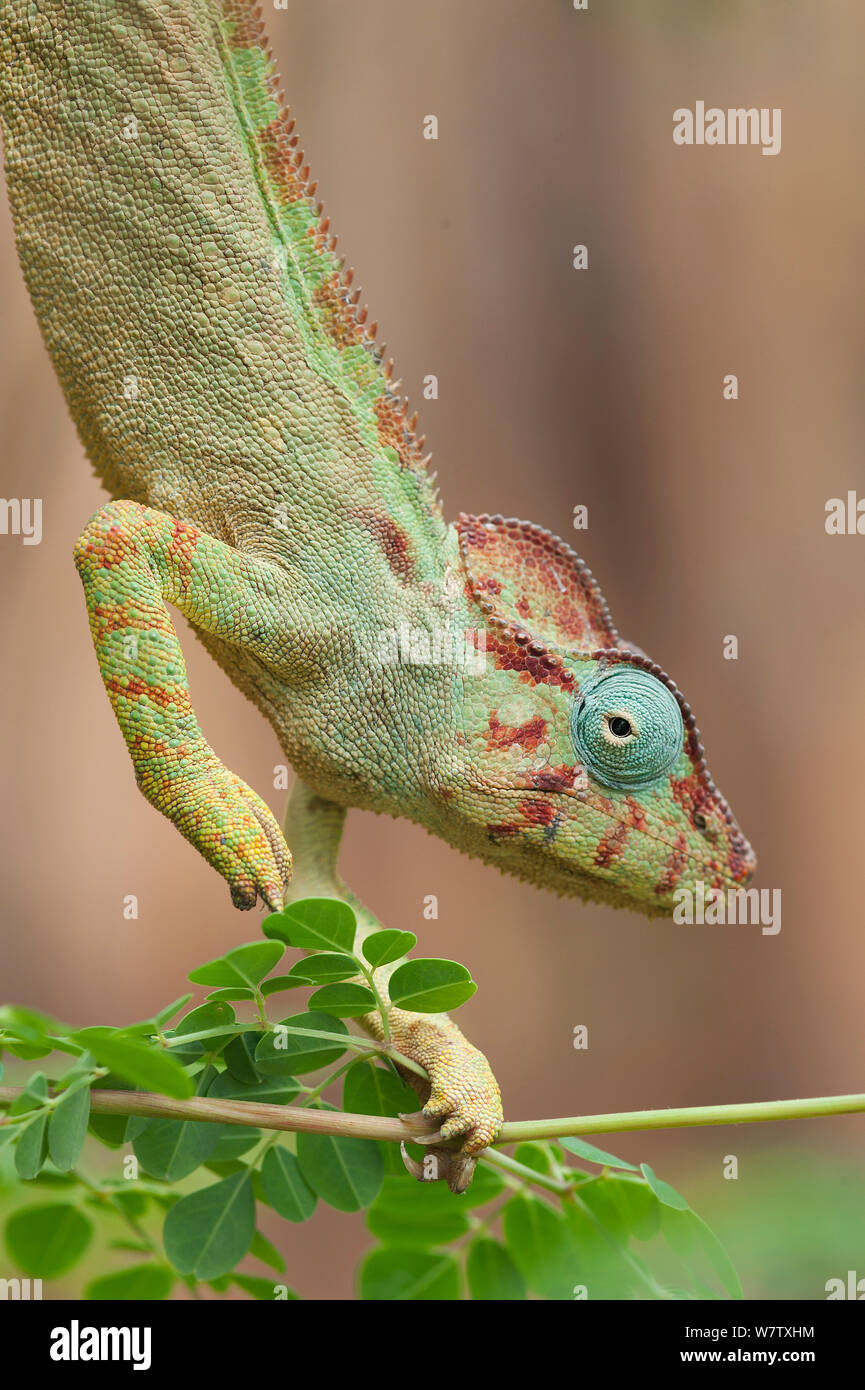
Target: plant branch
column 749, row 1112
column 293, row 1118
column 525, row 1174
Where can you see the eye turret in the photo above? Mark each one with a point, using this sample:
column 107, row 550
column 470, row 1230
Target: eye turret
column 627, row 729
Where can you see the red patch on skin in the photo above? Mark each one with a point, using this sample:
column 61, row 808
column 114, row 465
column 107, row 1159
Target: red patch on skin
column 692, row 796
column 509, row 656
column 556, row 779
column 144, row 745
column 674, row 867
column 155, row 751
column 538, row 812
column 547, row 579
column 181, row 550
column 116, row 617
column 503, row 831
column 692, row 747
column 391, row 426
column 738, row 863
column 340, row 326
column 474, row 531
column 636, row 814
column 695, row 800
column 488, row 586
column 528, row 735
column 278, row 156
column 135, row 687
column 394, row 542
column 108, row 548
column 248, row 29
column 612, row 845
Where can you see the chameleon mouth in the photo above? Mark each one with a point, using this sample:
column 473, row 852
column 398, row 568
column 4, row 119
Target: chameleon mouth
column 734, row 849
column 649, row 899
column 731, row 863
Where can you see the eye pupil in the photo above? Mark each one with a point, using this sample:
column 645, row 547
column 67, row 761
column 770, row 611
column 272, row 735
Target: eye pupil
column 620, row 727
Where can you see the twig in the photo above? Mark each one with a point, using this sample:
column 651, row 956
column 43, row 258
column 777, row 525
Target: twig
column 293, row 1118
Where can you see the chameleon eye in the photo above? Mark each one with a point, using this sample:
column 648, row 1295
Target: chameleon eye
column 620, row 727
column 627, row 729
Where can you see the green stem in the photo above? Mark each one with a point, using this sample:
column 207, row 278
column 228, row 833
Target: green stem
column 181, row 1039
column 51, row 1101
column 749, row 1112
column 286, row 1117
column 110, row 1199
column 525, row 1174
column 328, row 1080
column 383, row 1009
column 57, row 1044
column 368, row 1046
column 253, row 1159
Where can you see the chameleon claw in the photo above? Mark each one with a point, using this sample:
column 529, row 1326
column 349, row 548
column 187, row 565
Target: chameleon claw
column 460, row 1172
column 440, row 1162
column 274, row 899
column 243, row 896
column 456, row 1127
column 437, row 1137
column 419, row 1120
column 448, row 1165
column 412, row 1165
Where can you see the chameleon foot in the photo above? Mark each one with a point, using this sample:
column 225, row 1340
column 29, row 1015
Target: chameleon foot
column 462, row 1093
column 230, row 825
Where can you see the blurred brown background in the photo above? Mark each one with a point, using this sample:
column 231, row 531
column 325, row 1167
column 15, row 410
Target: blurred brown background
column 557, row 387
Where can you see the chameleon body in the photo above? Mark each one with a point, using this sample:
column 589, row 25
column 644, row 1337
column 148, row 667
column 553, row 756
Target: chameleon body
column 268, row 482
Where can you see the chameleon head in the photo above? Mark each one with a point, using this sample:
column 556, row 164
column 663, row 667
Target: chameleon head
column 582, row 761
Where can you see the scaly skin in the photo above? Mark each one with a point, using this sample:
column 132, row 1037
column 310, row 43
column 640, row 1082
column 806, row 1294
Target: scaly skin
column 132, row 561
column 269, row 484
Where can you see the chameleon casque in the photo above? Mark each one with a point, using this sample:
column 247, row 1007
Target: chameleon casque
column 268, row 483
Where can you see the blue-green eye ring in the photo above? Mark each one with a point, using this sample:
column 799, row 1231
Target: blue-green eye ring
column 627, row 729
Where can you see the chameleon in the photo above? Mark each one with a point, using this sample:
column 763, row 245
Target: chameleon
column 267, row 481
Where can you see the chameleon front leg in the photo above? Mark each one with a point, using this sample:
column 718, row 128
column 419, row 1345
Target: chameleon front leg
column 462, row 1092
column 132, row 560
